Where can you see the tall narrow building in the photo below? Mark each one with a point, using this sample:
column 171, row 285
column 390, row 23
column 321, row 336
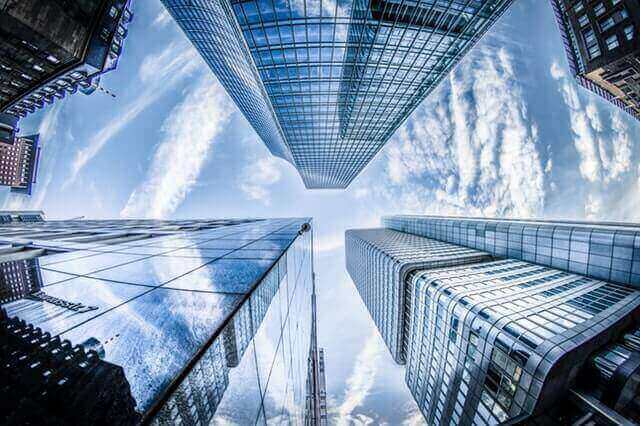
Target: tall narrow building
column 50, row 49
column 601, row 42
column 19, row 156
column 163, row 322
column 540, row 326
column 326, row 84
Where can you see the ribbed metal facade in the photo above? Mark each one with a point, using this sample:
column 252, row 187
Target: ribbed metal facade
column 378, row 261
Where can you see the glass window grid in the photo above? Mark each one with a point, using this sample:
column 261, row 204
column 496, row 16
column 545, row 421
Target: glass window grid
column 377, row 260
column 490, row 407
column 312, row 61
column 199, row 394
column 600, row 252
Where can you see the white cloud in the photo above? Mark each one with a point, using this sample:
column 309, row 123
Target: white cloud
column 328, row 243
column 162, row 19
column 158, row 74
column 604, row 148
column 593, row 207
column 188, row 135
column 471, row 147
column 360, row 382
column 258, row 176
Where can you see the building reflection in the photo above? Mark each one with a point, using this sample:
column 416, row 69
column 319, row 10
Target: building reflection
column 170, row 335
column 19, row 279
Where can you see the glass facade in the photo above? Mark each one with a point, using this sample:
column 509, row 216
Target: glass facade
column 494, row 325
column 379, row 259
column 598, row 250
column 207, row 320
column 335, row 78
column 489, row 341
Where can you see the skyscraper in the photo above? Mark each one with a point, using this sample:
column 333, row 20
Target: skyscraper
column 170, row 322
column 49, row 49
column 512, row 333
column 379, row 261
column 601, row 42
column 325, row 84
column 19, row 163
column 19, row 156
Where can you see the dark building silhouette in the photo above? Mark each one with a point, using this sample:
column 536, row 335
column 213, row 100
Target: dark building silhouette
column 47, row 380
column 49, row 49
column 601, row 42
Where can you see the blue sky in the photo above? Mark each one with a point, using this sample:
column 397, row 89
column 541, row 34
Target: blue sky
column 508, row 134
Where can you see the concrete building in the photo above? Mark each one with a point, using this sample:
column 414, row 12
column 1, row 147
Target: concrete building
column 601, row 42
column 50, row 49
column 185, row 313
column 326, row 84
column 508, row 332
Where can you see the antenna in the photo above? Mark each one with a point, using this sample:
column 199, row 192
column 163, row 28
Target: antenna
column 102, row 89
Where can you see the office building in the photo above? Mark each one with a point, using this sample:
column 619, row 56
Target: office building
column 379, row 260
column 8, row 127
column 601, row 42
column 19, row 156
column 540, row 324
column 326, row 84
column 316, row 403
column 606, row 251
column 19, row 163
column 50, row 49
column 186, row 321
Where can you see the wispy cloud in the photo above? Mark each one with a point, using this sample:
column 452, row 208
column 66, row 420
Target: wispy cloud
column 162, row 19
column 158, row 74
column 472, row 146
column 328, row 243
column 259, row 176
column 604, row 147
column 188, row 136
column 361, row 381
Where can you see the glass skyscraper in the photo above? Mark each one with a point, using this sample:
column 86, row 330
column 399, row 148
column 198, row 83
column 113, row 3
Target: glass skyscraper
column 326, row 83
column 163, row 322
column 512, row 333
column 379, row 261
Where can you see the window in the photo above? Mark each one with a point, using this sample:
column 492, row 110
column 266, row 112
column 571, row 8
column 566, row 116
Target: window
column 599, row 9
column 583, row 20
column 579, row 7
column 612, row 42
column 594, row 51
column 589, row 37
column 606, row 24
column 628, row 32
